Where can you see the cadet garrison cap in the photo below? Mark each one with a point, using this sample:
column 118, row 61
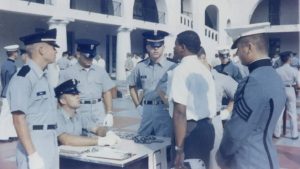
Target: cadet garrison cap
column 88, row 47
column 155, row 38
column 286, row 54
column 67, row 87
column 48, row 36
column 223, row 51
column 237, row 33
column 11, row 48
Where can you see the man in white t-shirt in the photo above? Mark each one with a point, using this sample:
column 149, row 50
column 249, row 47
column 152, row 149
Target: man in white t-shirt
column 194, row 98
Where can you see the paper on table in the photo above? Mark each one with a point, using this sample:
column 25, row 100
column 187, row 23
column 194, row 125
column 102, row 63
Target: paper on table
column 112, row 154
column 74, row 150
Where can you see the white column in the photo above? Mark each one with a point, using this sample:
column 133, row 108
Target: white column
column 170, row 43
column 61, row 39
column 123, row 47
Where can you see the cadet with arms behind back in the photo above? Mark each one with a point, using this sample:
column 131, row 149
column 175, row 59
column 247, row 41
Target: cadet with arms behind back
column 146, row 76
column 291, row 80
column 94, row 85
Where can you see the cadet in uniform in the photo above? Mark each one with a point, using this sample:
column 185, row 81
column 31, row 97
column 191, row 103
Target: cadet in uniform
column 70, row 128
column 63, row 63
column 8, row 69
column 290, row 78
column 94, row 83
column 227, row 66
column 145, row 76
column 128, row 64
column 225, row 87
column 193, row 95
column 33, row 105
column 258, row 103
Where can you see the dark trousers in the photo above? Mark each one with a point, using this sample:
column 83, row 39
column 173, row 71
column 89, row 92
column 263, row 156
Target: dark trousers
column 199, row 140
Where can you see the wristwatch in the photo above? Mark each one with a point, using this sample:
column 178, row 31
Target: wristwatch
column 178, row 149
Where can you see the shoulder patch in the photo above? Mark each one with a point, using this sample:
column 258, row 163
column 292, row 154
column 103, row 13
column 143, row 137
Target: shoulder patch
column 242, row 109
column 142, row 60
column 240, row 105
column 172, row 60
column 23, row 71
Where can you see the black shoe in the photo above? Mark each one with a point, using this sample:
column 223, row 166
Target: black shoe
column 295, row 138
column 276, row 137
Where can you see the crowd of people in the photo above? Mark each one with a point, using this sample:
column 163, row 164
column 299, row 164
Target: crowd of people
column 219, row 115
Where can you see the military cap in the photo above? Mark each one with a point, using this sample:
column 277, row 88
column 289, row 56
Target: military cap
column 286, row 54
column 155, row 38
column 11, row 48
column 238, row 32
column 88, row 47
column 67, row 87
column 48, row 36
column 223, row 51
column 22, row 51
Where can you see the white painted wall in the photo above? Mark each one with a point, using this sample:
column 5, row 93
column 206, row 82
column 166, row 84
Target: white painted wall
column 289, row 12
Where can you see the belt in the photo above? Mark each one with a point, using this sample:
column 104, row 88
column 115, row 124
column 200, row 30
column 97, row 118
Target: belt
column 288, row 85
column 150, row 102
column 47, row 127
column 91, row 101
column 201, row 120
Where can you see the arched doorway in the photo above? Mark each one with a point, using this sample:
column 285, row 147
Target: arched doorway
column 212, row 17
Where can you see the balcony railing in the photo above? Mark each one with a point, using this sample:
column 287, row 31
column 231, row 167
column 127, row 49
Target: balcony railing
column 117, row 8
column 46, row 2
column 190, row 14
column 211, row 34
column 186, row 20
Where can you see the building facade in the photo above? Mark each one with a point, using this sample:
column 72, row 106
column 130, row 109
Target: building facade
column 118, row 24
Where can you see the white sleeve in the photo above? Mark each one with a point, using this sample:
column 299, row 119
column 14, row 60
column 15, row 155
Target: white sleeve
column 179, row 88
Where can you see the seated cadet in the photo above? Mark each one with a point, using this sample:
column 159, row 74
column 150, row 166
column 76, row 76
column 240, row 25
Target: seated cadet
column 70, row 126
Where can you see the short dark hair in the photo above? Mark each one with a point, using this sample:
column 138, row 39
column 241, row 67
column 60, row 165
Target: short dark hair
column 10, row 53
column 190, row 39
column 201, row 51
column 259, row 40
column 285, row 58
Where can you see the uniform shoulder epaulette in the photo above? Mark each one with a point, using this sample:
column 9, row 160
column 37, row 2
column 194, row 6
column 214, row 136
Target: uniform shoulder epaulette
column 224, row 73
column 142, row 60
column 23, row 71
column 172, row 60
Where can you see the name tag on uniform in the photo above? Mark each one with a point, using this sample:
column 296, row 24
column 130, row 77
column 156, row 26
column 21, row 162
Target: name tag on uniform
column 41, row 93
column 143, row 76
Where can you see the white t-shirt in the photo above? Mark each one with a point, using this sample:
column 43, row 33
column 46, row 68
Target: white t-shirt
column 193, row 86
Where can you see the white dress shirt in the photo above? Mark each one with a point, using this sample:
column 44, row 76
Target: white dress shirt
column 193, row 86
